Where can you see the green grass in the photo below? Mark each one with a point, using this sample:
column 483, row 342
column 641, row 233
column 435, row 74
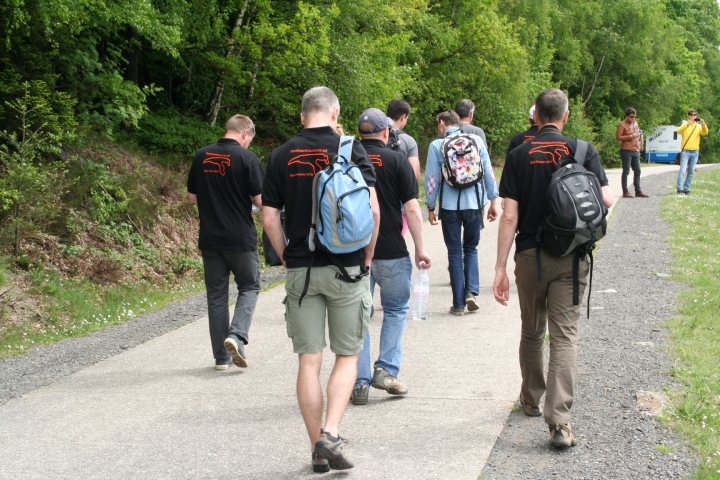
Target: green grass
column 695, row 331
column 74, row 308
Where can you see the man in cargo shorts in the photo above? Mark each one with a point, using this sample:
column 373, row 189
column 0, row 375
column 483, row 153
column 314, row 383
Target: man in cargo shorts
column 313, row 285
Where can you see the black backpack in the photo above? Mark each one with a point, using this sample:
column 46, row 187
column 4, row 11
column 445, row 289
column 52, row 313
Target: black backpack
column 576, row 215
column 393, row 142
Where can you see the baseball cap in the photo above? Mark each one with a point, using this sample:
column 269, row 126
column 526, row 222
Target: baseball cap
column 531, row 113
column 373, row 120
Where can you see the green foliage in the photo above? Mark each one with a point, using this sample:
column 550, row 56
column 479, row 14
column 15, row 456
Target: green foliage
column 168, row 132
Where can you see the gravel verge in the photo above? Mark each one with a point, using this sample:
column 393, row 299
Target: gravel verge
column 45, row 364
column 621, row 353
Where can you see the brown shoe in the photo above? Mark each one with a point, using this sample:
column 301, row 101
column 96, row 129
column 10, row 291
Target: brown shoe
column 529, row 410
column 384, row 381
column 641, row 195
column 627, row 195
column 561, row 436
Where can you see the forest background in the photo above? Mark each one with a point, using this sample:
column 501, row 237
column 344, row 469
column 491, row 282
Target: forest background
column 102, row 104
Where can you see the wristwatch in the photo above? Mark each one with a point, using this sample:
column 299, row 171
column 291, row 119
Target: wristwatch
column 430, row 209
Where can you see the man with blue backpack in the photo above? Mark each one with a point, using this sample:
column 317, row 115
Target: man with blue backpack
column 458, row 181
column 555, row 199
column 326, row 184
column 397, row 190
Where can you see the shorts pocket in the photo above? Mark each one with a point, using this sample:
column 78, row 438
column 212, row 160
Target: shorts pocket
column 364, row 324
column 288, row 323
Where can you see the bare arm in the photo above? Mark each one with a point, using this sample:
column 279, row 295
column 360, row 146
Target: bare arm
column 608, row 199
column 257, row 201
column 492, row 210
column 415, row 164
column 274, row 231
column 506, row 235
column 192, row 198
column 375, row 207
column 415, row 221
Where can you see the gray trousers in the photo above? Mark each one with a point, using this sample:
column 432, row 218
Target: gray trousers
column 548, row 304
column 630, row 158
column 245, row 267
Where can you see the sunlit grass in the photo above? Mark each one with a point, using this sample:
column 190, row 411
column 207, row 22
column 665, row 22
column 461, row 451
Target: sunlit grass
column 695, row 342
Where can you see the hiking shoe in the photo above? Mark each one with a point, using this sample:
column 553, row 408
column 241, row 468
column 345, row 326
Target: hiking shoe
column 561, row 436
column 360, row 395
column 471, row 302
column 237, row 351
column 331, row 449
column 319, row 464
column 529, row 410
column 222, row 364
column 687, row 192
column 627, row 195
column 457, row 311
column 384, row 381
column 641, row 195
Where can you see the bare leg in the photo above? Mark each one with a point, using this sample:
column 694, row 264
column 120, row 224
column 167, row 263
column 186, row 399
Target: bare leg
column 310, row 394
column 339, row 388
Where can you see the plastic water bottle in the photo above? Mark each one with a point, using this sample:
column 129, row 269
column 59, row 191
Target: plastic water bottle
column 421, row 294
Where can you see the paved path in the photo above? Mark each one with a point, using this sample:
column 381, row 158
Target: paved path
column 160, row 410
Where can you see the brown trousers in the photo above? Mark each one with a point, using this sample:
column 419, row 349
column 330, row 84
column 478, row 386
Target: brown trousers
column 548, row 303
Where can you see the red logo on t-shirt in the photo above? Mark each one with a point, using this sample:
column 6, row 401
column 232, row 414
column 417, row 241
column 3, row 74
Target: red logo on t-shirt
column 307, row 164
column 548, row 152
column 216, row 163
column 375, row 159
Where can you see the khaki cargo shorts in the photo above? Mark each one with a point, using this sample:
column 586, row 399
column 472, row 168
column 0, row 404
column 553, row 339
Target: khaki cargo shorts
column 347, row 306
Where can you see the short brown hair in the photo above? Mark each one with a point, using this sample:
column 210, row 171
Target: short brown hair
column 448, row 118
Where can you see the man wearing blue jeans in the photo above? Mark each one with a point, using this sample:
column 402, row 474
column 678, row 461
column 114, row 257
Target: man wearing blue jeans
column 461, row 212
column 225, row 178
column 397, row 188
column 691, row 131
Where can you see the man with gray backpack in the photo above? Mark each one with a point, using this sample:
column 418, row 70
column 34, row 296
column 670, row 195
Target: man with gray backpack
column 555, row 199
column 458, row 181
column 326, row 184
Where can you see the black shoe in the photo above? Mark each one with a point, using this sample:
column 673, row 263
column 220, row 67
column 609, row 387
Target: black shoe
column 360, row 395
column 319, row 464
column 237, row 350
column 687, row 192
column 330, row 448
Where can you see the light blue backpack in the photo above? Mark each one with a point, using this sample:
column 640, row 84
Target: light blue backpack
column 342, row 220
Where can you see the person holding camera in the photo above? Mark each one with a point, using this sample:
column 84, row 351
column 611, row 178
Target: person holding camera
column 630, row 136
column 691, row 130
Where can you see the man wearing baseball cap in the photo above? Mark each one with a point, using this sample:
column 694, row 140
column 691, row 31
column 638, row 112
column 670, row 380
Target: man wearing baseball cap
column 397, row 189
column 528, row 134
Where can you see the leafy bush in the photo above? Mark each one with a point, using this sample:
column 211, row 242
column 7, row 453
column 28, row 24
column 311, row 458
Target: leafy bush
column 168, row 132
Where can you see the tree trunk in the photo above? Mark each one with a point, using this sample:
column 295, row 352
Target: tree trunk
column 214, row 108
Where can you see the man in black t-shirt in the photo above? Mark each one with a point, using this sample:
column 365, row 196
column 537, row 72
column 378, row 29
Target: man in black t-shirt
column 314, row 277
column 546, row 296
column 225, row 180
column 397, row 188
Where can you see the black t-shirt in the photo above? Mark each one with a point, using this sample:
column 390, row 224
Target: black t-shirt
column 395, row 185
column 523, row 137
column 288, row 183
column 225, row 177
column 527, row 173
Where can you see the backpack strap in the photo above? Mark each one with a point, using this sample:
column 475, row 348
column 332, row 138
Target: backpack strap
column 581, row 151
column 345, row 149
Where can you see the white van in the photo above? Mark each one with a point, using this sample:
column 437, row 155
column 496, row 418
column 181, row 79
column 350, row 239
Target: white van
column 662, row 144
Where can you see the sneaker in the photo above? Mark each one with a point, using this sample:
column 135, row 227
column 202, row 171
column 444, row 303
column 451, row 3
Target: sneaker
column 384, row 381
column 360, row 395
column 627, row 195
column 331, row 449
column 529, row 410
column 686, row 192
column 319, row 464
column 222, row 364
column 561, row 436
column 457, row 311
column 237, row 351
column 641, row 195
column 471, row 302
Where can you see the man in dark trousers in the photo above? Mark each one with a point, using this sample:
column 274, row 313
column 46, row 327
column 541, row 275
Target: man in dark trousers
column 324, row 293
column 397, row 190
column 546, row 296
column 224, row 181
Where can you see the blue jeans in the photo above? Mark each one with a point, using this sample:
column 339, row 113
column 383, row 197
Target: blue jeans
column 393, row 277
column 462, row 253
column 688, row 160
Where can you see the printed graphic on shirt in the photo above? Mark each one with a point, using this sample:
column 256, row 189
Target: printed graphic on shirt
column 306, row 163
column 544, row 153
column 216, row 163
column 375, row 159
